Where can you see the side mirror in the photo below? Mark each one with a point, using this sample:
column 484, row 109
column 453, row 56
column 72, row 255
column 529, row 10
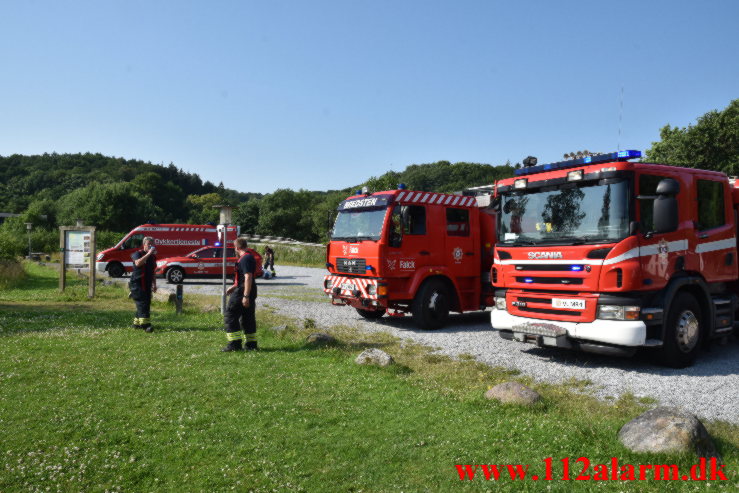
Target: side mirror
column 395, row 239
column 634, row 227
column 495, row 203
column 665, row 211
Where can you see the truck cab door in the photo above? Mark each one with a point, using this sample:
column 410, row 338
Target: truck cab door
column 462, row 249
column 714, row 229
column 661, row 253
column 409, row 244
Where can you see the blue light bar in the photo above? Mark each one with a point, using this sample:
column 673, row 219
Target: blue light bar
column 528, row 279
column 217, row 243
column 601, row 158
column 576, row 268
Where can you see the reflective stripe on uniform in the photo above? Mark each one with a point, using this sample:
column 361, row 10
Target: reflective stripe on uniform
column 143, row 321
column 251, row 338
column 136, row 321
column 233, row 336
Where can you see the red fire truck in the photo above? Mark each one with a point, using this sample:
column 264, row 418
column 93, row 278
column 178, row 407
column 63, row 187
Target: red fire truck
column 606, row 255
column 407, row 251
column 171, row 240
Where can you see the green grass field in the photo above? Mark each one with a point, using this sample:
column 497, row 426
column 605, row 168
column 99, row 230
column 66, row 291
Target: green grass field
column 88, row 404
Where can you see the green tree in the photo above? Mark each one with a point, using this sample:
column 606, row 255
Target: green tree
column 202, row 208
column 286, row 213
column 246, row 215
column 712, row 143
column 111, row 206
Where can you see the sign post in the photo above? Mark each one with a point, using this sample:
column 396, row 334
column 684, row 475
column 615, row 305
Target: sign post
column 225, row 220
column 78, row 248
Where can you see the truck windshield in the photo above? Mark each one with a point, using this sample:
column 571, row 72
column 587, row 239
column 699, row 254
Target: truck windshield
column 357, row 225
column 583, row 213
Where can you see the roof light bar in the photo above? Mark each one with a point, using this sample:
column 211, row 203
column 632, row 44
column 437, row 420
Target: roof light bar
column 601, row 158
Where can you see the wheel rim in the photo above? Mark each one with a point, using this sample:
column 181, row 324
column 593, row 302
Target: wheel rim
column 436, row 302
column 688, row 330
column 176, row 275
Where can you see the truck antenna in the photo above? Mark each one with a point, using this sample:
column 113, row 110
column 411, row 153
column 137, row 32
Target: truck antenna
column 620, row 117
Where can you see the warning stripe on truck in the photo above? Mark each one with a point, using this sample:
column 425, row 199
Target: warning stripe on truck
column 436, row 198
column 347, row 285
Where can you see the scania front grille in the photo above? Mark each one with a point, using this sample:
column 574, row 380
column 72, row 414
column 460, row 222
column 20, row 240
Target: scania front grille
column 550, row 280
column 550, row 311
column 351, row 265
column 551, row 267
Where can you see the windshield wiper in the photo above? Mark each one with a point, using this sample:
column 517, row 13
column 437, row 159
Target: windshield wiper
column 362, row 238
column 522, row 243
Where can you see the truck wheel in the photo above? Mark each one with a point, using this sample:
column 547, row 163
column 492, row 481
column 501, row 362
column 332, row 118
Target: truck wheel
column 115, row 269
column 371, row 314
column 175, row 275
column 431, row 306
column 683, row 332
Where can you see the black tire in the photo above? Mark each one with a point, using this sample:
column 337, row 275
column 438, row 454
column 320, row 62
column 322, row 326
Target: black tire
column 371, row 314
column 430, row 307
column 683, row 332
column 115, row 269
column 175, row 275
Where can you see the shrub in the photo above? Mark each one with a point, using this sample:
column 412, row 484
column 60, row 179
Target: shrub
column 11, row 273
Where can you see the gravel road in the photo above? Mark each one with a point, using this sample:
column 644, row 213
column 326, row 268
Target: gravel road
column 710, row 388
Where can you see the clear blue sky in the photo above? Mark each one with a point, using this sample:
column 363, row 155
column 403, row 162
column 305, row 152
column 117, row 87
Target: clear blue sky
column 324, row 94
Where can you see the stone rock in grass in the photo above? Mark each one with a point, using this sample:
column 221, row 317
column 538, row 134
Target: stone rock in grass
column 279, row 328
column 374, row 356
column 667, row 429
column 513, row 393
column 165, row 295
column 320, row 338
column 212, row 308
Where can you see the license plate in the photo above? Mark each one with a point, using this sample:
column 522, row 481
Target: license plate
column 347, row 286
column 568, row 304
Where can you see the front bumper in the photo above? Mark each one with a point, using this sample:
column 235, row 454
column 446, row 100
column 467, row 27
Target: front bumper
column 101, row 266
column 555, row 333
column 358, row 292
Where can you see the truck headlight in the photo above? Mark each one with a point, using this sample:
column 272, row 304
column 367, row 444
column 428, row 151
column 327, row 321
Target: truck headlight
column 328, row 284
column 618, row 312
column 99, row 257
column 371, row 290
column 161, row 263
column 500, row 303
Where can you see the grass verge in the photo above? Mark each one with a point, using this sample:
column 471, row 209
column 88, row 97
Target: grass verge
column 88, row 404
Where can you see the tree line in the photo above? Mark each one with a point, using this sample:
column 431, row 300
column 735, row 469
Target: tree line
column 117, row 194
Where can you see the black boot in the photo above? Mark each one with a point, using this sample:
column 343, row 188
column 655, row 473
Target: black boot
column 251, row 346
column 232, row 346
column 148, row 328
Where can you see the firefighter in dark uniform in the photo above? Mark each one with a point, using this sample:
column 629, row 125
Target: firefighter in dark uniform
column 143, row 282
column 240, row 308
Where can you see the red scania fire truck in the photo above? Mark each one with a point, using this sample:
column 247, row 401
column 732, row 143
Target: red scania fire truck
column 408, row 251
column 606, row 255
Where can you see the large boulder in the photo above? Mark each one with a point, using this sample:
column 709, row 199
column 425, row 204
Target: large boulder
column 320, row 338
column 374, row 356
column 164, row 295
column 667, row 429
column 513, row 393
column 210, row 308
